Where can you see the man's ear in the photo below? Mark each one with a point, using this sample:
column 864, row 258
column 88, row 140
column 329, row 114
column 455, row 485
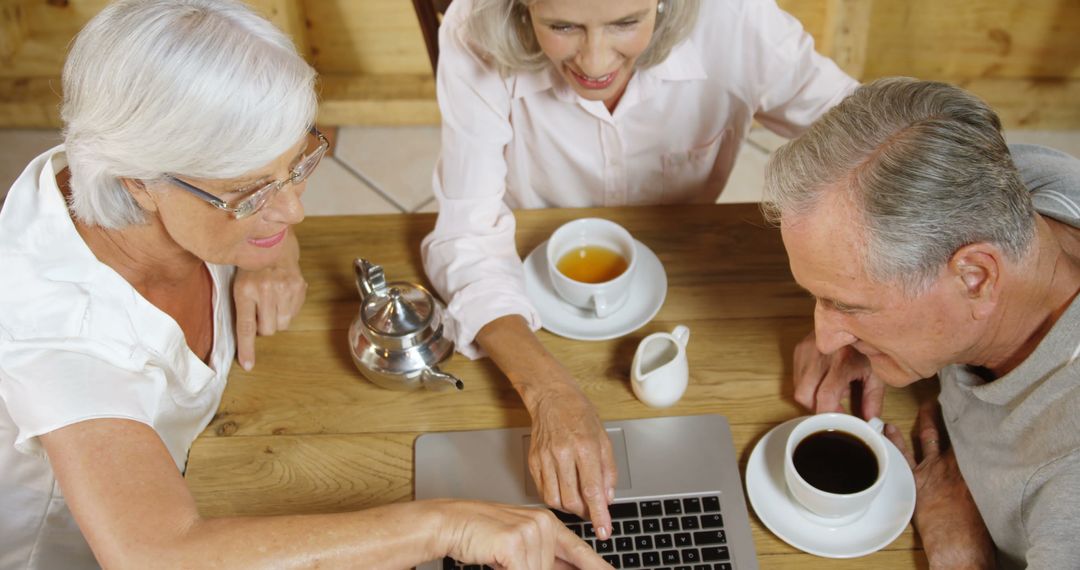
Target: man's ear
column 976, row 272
column 141, row 194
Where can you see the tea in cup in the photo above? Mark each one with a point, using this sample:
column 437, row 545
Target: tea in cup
column 591, row 262
column 835, row 464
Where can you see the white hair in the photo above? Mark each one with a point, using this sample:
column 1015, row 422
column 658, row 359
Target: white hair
column 205, row 88
column 502, row 30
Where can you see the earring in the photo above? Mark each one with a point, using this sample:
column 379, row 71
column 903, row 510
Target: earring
column 660, row 7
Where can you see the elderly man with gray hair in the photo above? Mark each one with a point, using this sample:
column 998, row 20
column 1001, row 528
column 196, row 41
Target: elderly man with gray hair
column 931, row 247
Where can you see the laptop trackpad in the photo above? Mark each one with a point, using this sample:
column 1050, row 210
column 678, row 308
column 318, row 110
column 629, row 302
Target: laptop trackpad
column 618, row 446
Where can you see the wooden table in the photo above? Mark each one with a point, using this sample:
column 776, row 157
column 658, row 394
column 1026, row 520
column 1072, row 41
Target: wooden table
column 305, row 433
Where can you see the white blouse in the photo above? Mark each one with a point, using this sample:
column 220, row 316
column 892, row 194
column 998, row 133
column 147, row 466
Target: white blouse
column 78, row 342
column 529, row 141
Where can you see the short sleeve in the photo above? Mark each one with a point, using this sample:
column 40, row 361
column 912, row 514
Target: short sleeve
column 1053, row 177
column 47, row 385
column 1051, row 524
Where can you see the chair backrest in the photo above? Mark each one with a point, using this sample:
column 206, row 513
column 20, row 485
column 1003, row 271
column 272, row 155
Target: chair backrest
column 430, row 13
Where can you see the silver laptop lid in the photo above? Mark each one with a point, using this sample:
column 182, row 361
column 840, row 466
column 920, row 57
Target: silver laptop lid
column 656, row 457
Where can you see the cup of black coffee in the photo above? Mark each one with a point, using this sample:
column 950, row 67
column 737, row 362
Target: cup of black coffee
column 835, row 465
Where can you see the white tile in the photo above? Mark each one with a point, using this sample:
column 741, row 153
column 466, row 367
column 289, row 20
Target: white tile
column 747, row 178
column 1065, row 141
column 765, row 139
column 20, row 146
column 333, row 191
column 396, row 160
column 429, row 207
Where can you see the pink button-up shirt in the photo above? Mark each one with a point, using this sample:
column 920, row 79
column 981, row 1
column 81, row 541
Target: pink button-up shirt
column 527, row 140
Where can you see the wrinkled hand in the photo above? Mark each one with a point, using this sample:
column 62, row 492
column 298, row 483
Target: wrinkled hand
column 266, row 300
column 823, row 381
column 570, row 456
column 952, row 530
column 511, row 537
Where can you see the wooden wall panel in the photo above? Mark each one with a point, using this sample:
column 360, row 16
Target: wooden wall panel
column 1023, row 56
column 368, row 37
column 960, row 39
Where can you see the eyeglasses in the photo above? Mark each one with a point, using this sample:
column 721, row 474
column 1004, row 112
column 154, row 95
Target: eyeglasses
column 255, row 198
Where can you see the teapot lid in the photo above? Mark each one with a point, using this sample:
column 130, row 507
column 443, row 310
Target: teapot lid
column 401, row 310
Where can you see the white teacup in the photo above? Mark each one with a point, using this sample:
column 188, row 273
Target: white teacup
column 836, row 508
column 603, row 298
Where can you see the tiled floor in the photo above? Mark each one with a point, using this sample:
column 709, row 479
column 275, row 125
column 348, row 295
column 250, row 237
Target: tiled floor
column 381, row 170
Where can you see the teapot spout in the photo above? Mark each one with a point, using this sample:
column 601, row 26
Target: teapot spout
column 438, row 381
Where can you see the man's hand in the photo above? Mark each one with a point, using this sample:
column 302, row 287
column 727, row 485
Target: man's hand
column 823, row 381
column 266, row 300
column 952, row 530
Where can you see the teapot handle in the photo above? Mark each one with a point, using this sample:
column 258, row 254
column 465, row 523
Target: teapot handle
column 370, row 279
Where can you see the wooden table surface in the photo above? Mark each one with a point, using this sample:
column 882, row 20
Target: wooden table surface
column 304, row 432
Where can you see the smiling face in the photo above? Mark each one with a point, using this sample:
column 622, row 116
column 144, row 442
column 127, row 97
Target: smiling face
column 905, row 338
column 594, row 45
column 213, row 235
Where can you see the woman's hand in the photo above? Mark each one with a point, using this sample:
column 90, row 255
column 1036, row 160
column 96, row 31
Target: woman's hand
column 952, row 530
column 266, row 300
column 822, row 381
column 506, row 536
column 570, row 456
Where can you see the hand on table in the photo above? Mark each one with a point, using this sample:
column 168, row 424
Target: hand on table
column 570, row 456
column 266, row 300
column 511, row 537
column 822, row 381
column 952, row 530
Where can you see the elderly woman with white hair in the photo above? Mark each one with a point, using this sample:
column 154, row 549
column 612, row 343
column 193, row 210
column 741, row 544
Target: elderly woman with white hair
column 188, row 139
column 562, row 103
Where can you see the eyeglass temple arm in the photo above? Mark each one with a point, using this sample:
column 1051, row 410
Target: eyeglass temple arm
column 200, row 193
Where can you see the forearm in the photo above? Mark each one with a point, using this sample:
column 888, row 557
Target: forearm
column 393, row 536
column 532, row 370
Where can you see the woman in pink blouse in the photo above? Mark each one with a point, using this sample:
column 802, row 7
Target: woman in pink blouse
column 561, row 103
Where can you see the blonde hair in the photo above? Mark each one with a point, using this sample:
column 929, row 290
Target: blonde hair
column 502, row 30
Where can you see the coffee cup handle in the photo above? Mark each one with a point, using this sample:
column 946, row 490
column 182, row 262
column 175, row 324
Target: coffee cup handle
column 877, row 425
column 600, row 305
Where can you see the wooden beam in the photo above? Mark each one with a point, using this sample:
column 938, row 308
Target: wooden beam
column 288, row 15
column 410, row 100
column 846, row 34
column 386, row 100
column 30, row 102
column 12, row 29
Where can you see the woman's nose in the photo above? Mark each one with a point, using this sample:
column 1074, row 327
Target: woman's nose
column 286, row 206
column 596, row 57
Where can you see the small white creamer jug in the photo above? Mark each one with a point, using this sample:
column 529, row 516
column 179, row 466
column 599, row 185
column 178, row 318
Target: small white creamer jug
column 660, row 371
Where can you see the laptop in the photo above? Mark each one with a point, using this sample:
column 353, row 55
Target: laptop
column 678, row 503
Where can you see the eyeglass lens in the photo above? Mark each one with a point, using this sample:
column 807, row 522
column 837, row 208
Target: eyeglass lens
column 312, row 155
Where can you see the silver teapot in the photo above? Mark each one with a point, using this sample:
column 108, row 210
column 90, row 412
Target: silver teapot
column 397, row 339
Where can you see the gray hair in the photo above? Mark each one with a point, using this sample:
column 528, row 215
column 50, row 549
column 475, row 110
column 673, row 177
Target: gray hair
column 924, row 162
column 502, row 29
column 205, row 88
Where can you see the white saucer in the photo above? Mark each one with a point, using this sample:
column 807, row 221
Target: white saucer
column 646, row 296
column 887, row 517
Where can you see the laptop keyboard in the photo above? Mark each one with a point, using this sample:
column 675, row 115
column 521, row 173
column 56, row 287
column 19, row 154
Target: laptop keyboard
column 683, row 533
